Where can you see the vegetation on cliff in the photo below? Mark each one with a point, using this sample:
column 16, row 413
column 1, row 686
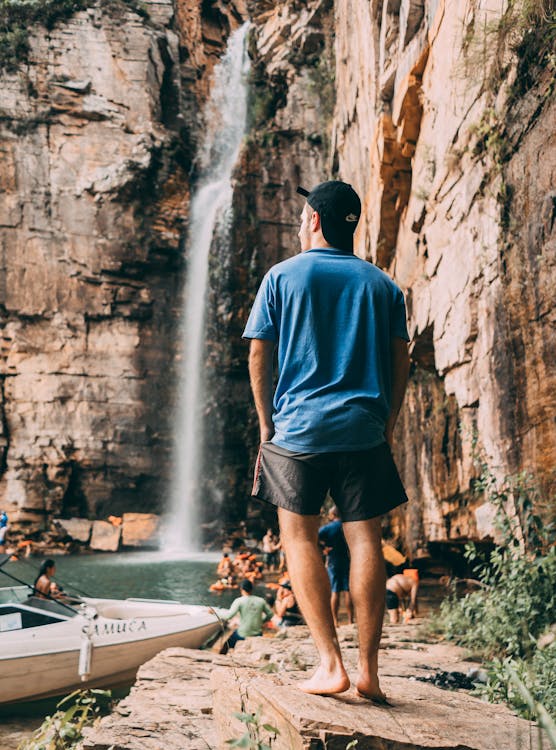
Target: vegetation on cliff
column 18, row 17
column 511, row 619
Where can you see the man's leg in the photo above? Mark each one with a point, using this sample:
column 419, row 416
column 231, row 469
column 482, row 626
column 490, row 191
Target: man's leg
column 312, row 590
column 367, row 587
column 349, row 607
column 335, row 606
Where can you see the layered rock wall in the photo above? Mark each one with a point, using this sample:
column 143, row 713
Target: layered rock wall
column 98, row 134
column 457, row 170
column 446, row 134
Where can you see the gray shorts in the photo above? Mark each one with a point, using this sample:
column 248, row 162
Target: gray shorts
column 363, row 484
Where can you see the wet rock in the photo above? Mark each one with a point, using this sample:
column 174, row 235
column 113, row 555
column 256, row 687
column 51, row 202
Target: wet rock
column 140, row 529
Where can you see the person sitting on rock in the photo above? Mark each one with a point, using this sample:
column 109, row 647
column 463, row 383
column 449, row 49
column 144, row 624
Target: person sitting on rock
column 286, row 607
column 399, row 589
column 253, row 612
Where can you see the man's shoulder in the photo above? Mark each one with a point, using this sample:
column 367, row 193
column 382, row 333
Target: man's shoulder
column 378, row 275
column 286, row 266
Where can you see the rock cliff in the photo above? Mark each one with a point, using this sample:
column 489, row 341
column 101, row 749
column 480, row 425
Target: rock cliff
column 446, row 130
column 439, row 112
column 441, row 116
column 98, row 132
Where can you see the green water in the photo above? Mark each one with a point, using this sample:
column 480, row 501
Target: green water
column 147, row 575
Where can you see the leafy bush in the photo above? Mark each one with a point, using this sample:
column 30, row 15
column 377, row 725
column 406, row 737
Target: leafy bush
column 516, row 604
column 537, row 676
column 63, row 730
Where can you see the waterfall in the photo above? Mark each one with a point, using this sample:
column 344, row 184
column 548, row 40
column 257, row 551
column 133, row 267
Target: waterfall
column 225, row 118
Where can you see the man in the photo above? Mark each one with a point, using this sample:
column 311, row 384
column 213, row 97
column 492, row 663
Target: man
column 270, row 550
column 339, row 325
column 399, row 589
column 337, row 562
column 253, row 611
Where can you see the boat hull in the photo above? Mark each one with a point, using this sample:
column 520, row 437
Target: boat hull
column 46, row 675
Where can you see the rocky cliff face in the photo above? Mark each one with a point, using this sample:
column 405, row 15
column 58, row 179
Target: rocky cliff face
column 439, row 112
column 97, row 138
column 446, row 131
column 443, row 122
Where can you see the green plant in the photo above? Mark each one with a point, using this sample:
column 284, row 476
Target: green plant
column 252, row 738
column 516, row 604
column 63, row 730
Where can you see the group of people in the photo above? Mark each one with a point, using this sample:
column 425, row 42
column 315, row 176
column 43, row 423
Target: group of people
column 254, row 611
column 243, row 566
column 401, row 588
column 246, row 566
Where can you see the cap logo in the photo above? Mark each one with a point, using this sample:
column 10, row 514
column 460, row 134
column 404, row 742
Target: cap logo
column 351, row 218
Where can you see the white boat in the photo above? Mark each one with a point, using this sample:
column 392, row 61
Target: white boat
column 48, row 649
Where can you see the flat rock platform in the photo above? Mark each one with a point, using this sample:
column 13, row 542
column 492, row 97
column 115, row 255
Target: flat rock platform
column 185, row 700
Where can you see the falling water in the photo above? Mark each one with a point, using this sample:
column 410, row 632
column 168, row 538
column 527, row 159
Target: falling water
column 225, row 118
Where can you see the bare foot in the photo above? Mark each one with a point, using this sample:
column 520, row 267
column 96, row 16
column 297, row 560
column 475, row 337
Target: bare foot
column 367, row 687
column 325, row 682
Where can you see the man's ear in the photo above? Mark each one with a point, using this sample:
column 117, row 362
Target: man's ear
column 315, row 221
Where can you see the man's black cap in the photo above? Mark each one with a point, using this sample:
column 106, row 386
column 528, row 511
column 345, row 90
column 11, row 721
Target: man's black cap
column 339, row 208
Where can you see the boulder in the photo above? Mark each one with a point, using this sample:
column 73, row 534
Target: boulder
column 105, row 537
column 140, row 529
column 76, row 528
column 169, row 707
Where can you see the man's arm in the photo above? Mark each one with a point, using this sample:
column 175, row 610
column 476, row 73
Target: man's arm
column 400, row 375
column 228, row 614
column 261, row 355
column 413, row 600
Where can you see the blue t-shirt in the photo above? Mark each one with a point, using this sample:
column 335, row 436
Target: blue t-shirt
column 333, row 316
column 332, row 535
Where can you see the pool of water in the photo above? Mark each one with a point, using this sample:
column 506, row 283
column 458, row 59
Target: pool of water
column 148, row 575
